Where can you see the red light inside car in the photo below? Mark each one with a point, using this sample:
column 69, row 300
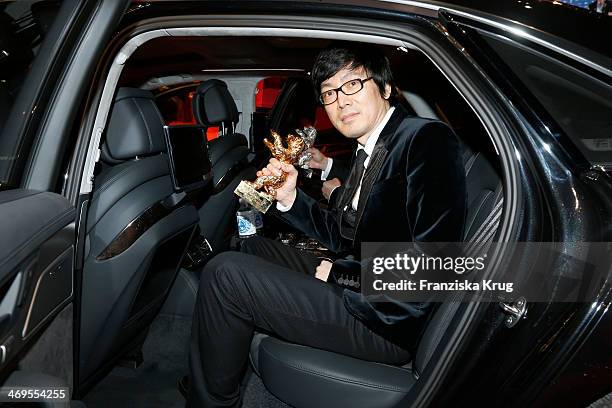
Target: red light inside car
column 184, row 116
column 212, row 133
column 267, row 91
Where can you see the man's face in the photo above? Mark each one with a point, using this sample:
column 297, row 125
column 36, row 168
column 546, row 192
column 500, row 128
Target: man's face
column 356, row 116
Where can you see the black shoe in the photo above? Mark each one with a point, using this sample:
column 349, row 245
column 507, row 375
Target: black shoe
column 183, row 386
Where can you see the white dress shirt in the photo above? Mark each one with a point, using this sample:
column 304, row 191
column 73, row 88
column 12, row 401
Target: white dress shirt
column 368, row 147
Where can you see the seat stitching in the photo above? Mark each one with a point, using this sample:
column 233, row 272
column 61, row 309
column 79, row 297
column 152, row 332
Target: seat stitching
column 490, row 224
column 470, row 163
column 146, row 125
column 120, row 198
column 486, row 238
column 482, row 202
column 311, row 371
column 492, row 214
column 484, row 232
column 491, row 230
column 108, row 183
column 135, row 165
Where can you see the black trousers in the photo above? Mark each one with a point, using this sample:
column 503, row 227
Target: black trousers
column 268, row 287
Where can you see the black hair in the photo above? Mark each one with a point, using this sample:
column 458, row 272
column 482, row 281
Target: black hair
column 352, row 56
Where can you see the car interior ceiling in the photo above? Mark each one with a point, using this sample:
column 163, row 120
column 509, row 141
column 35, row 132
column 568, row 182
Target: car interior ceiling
column 149, row 312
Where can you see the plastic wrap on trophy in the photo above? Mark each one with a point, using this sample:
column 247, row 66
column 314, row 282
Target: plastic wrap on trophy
column 261, row 193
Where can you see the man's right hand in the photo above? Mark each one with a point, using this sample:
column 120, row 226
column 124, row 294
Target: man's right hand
column 286, row 194
column 318, row 160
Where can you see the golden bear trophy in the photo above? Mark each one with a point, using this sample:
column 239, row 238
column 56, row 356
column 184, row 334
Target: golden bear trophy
column 261, row 193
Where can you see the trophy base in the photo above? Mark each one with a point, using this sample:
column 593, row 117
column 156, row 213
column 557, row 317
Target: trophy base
column 259, row 200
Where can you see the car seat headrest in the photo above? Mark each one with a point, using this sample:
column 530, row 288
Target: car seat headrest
column 136, row 127
column 213, row 105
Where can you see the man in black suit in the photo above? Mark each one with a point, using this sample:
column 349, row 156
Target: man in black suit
column 406, row 183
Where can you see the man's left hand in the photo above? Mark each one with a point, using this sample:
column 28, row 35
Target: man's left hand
column 329, row 186
column 318, row 160
column 323, row 270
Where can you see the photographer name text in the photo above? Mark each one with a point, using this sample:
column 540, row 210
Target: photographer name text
column 425, row 285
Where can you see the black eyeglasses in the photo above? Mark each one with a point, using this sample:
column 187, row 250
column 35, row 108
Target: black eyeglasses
column 348, row 88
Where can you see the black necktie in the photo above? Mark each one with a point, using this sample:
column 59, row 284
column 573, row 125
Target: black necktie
column 352, row 184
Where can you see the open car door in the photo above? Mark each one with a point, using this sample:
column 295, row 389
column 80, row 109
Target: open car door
column 36, row 273
column 49, row 50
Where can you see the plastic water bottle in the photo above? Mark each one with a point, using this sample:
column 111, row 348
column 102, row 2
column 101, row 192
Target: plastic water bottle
column 258, row 222
column 245, row 218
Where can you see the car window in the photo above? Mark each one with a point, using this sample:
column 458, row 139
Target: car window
column 267, row 92
column 176, row 107
column 23, row 28
column 580, row 104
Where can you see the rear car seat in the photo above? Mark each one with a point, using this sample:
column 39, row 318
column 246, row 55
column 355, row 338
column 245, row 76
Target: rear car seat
column 304, row 377
column 213, row 105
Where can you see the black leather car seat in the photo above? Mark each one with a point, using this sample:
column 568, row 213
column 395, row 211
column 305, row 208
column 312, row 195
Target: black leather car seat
column 485, row 200
column 135, row 239
column 306, row 377
column 213, row 105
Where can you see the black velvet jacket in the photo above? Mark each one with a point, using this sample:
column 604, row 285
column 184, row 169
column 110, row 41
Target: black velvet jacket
column 413, row 190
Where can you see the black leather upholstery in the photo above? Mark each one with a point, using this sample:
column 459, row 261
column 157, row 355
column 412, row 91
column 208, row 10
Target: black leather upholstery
column 122, row 294
column 218, row 213
column 432, row 336
column 136, row 126
column 225, row 170
column 305, row 377
column 219, row 147
column 117, row 181
column 482, row 183
column 213, row 105
column 229, row 158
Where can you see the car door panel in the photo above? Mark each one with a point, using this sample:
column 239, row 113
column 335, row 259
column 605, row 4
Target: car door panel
column 53, row 286
column 36, row 267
